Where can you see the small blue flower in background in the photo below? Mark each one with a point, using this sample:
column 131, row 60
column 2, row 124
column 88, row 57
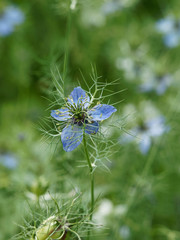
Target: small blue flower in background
column 11, row 17
column 159, row 84
column 112, row 6
column 79, row 118
column 146, row 132
column 165, row 25
column 172, row 39
column 170, row 28
column 8, row 160
column 125, row 232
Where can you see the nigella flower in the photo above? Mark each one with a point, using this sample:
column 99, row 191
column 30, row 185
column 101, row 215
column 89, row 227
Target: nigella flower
column 157, row 83
column 125, row 232
column 11, row 17
column 8, row 160
column 111, row 7
column 146, row 132
column 170, row 28
column 80, row 118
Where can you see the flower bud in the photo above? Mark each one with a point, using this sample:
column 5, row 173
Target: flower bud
column 38, row 187
column 50, row 229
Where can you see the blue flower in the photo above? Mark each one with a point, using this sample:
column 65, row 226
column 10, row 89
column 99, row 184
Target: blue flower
column 165, row 25
column 8, row 160
column 147, row 131
column 110, row 7
column 172, row 39
column 170, row 28
column 80, row 118
column 11, row 17
column 157, row 83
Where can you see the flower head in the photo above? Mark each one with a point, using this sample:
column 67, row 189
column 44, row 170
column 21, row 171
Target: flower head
column 8, row 160
column 157, row 83
column 147, row 131
column 111, row 7
column 11, row 17
column 170, row 28
column 80, row 118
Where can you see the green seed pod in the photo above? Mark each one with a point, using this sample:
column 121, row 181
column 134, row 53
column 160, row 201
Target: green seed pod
column 50, row 229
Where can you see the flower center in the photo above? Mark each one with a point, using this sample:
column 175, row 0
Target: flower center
column 79, row 118
column 143, row 127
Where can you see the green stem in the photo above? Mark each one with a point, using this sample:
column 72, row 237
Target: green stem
column 91, row 174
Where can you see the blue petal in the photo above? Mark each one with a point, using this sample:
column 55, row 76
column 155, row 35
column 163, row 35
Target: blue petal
column 13, row 15
column 5, row 28
column 156, row 126
column 8, row 160
column 146, row 87
column 101, row 112
column 172, row 39
column 145, row 144
column 71, row 137
column 92, row 128
column 111, row 7
column 165, row 25
column 164, row 84
column 61, row 114
column 79, row 96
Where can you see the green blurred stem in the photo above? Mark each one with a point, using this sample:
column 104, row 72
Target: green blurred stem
column 91, row 174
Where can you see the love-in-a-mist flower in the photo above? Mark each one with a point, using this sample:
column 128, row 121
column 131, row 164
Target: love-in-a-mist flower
column 159, row 84
column 170, row 28
column 111, row 6
column 80, row 118
column 146, row 132
column 8, row 160
column 11, row 17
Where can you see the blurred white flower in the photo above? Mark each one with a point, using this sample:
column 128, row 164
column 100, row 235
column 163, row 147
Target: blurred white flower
column 73, row 4
column 103, row 211
column 93, row 17
column 107, row 209
column 120, row 209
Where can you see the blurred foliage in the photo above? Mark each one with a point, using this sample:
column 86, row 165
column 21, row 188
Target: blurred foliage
column 139, row 198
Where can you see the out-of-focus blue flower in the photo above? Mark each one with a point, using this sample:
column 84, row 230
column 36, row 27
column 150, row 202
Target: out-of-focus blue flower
column 111, row 6
column 125, row 232
column 159, row 84
column 172, row 39
column 79, row 118
column 8, row 160
column 165, row 25
column 146, row 132
column 170, row 28
column 11, row 17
